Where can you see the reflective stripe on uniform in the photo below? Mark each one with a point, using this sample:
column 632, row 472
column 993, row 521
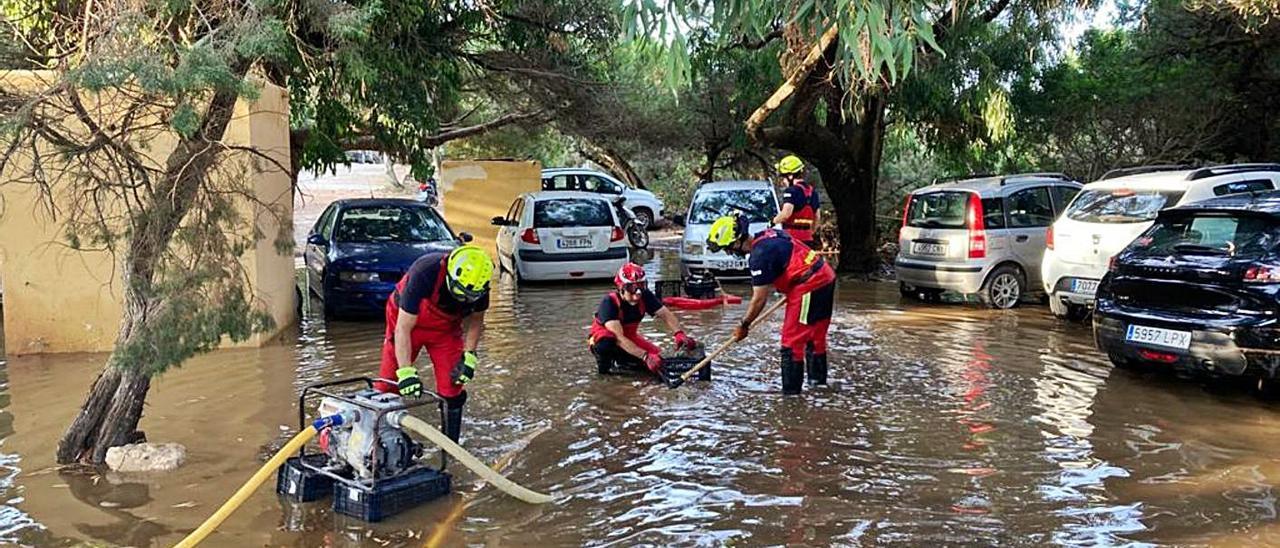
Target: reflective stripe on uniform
column 804, row 309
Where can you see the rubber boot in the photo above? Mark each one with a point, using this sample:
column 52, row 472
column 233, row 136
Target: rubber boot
column 453, row 416
column 792, row 373
column 604, row 364
column 817, row 365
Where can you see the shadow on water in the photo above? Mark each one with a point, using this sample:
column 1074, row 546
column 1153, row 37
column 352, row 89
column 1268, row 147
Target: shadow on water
column 944, row 424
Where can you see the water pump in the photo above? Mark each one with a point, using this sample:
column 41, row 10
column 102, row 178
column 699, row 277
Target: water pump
column 367, row 448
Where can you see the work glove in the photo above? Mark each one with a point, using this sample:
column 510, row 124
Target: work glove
column 685, row 342
column 742, row 330
column 654, row 362
column 465, row 369
column 408, row 382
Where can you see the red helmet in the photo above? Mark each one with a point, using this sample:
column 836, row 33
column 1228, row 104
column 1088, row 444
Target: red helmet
column 629, row 274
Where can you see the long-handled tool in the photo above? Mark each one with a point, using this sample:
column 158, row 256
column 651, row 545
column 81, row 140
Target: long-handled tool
column 676, row 382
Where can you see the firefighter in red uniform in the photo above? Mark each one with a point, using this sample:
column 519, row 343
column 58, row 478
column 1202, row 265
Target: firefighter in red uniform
column 798, row 273
column 439, row 305
column 800, row 202
column 615, row 339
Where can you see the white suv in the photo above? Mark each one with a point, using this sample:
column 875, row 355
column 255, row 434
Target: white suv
column 1112, row 211
column 646, row 207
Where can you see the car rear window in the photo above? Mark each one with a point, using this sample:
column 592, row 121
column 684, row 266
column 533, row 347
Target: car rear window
column 568, row 212
column 1210, row 234
column 938, row 210
column 1120, row 205
column 758, row 205
column 391, row 224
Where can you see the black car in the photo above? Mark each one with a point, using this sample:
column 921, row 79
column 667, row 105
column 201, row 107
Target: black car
column 1198, row 292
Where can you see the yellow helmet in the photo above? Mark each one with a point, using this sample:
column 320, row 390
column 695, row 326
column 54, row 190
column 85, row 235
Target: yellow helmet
column 790, row 164
column 468, row 271
column 726, row 230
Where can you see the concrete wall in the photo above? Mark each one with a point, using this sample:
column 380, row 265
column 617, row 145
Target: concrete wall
column 473, row 192
column 62, row 300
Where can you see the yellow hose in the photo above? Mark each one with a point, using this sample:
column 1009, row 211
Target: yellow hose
column 248, row 488
column 437, row 437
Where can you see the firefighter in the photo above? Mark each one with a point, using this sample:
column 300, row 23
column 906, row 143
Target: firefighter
column 800, row 202
column 615, row 339
column 439, row 305
column 797, row 272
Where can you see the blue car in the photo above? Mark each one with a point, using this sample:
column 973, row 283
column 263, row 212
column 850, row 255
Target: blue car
column 360, row 248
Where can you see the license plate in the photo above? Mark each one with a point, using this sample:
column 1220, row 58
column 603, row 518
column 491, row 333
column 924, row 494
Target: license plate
column 921, row 248
column 1087, row 287
column 1156, row 336
column 730, row 264
column 573, row 243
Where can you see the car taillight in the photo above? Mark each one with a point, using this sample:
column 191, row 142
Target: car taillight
column 617, row 234
column 1048, row 238
column 530, row 236
column 1111, row 264
column 977, row 228
column 1262, row 274
column 906, row 208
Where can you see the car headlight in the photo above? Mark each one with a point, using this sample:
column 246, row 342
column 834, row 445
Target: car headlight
column 359, row 277
column 693, row 248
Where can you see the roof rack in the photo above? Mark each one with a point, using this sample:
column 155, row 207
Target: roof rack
column 1227, row 169
column 955, row 178
column 1138, row 170
column 1041, row 174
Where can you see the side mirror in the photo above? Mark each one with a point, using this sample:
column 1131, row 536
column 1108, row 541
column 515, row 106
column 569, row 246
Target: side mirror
column 316, row 239
column 498, row 221
column 465, row 237
column 678, row 220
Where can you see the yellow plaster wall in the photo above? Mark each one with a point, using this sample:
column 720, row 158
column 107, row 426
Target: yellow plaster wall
column 57, row 299
column 473, row 192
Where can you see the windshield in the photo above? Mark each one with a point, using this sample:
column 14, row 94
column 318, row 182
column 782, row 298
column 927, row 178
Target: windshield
column 567, row 212
column 392, row 224
column 1120, row 205
column 1210, row 234
column 938, row 210
column 758, row 204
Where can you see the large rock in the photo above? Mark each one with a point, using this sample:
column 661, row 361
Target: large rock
column 146, row 457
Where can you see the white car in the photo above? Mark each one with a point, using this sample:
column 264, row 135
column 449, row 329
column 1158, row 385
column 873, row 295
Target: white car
column 646, row 207
column 561, row 236
column 1110, row 212
column 755, row 198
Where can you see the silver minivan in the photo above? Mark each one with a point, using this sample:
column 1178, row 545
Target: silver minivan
column 983, row 235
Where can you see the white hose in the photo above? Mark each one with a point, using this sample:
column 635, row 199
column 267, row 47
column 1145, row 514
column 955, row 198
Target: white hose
column 434, row 435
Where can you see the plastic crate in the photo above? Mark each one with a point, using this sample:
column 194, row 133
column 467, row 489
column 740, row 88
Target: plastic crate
column 668, row 288
column 391, row 496
column 300, row 484
column 678, row 365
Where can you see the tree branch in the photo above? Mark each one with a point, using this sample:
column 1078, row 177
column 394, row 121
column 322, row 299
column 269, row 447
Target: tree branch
column 755, row 123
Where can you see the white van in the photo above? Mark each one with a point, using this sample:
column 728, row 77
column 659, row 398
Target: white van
column 754, row 198
column 1112, row 211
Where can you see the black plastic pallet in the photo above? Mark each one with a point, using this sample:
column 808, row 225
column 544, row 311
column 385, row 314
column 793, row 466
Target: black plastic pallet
column 391, row 496
column 300, row 484
column 678, row 365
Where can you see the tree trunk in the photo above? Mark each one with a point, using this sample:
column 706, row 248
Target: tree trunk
column 110, row 415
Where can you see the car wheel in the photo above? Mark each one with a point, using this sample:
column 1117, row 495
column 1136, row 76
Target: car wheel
column 1003, row 288
column 1268, row 389
column 644, row 217
column 1077, row 312
column 638, row 236
column 330, row 312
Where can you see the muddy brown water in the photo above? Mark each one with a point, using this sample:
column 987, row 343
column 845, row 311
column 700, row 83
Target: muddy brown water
column 945, row 424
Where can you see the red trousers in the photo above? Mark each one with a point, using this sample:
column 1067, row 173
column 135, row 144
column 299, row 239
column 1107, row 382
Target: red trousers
column 442, row 341
column 807, row 318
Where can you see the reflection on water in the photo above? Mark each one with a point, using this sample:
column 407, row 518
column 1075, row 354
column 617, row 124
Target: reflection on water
column 944, row 424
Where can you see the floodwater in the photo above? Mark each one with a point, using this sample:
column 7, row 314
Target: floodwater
column 945, row 424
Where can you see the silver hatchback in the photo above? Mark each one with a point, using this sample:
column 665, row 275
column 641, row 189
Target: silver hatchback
column 983, row 236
